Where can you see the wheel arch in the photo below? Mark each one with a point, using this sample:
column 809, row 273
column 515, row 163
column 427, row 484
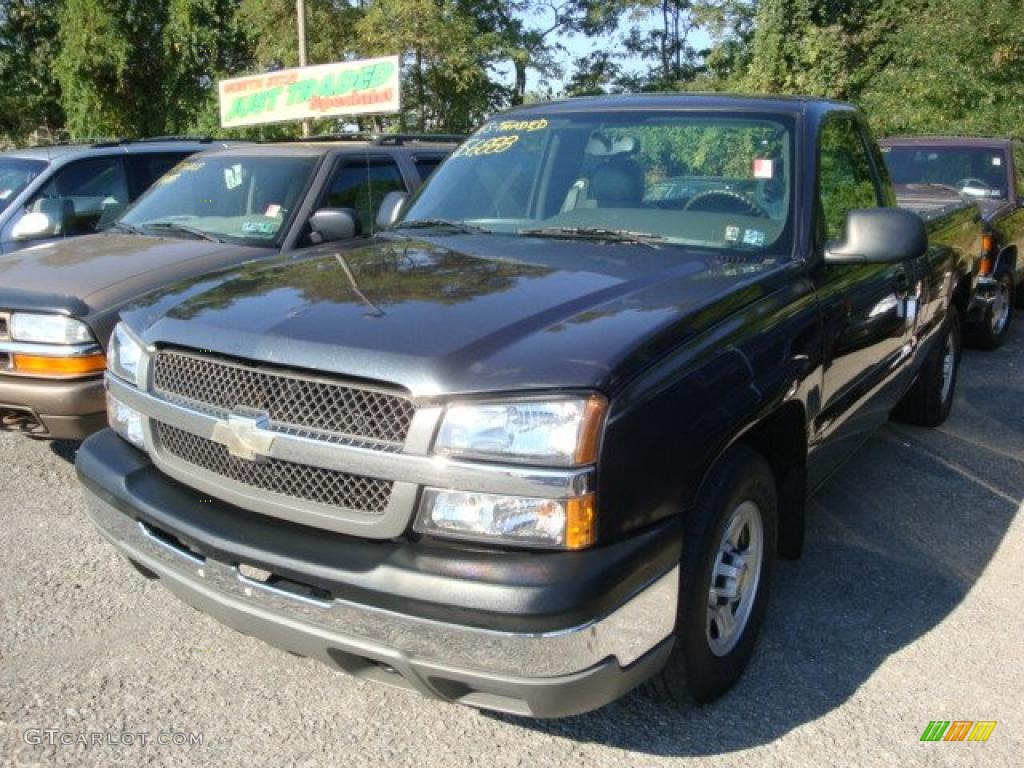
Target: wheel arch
column 1007, row 259
column 780, row 438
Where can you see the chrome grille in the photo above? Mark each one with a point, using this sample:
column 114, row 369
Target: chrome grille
column 299, row 405
column 299, row 481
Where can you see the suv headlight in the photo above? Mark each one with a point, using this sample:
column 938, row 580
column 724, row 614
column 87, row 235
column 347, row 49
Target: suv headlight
column 124, row 355
column 49, row 329
column 555, row 431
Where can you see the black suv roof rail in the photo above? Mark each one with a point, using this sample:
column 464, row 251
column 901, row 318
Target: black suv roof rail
column 384, row 139
column 149, row 139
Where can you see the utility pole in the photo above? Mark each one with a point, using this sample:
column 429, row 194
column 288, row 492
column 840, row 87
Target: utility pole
column 300, row 10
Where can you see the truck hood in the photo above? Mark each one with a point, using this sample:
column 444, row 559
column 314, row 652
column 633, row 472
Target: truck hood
column 83, row 274
column 459, row 314
column 927, row 199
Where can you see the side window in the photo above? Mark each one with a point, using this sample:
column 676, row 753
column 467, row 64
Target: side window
column 80, row 193
column 845, row 178
column 362, row 185
column 427, row 164
column 144, row 169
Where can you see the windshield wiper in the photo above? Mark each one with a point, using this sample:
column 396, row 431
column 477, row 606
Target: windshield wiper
column 174, row 226
column 459, row 226
column 120, row 226
column 595, row 233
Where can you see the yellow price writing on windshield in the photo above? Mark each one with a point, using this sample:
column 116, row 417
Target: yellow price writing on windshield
column 492, row 146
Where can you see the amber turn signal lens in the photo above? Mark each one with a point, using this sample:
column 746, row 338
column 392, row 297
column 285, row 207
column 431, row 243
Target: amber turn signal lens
column 988, row 247
column 38, row 365
column 581, row 522
column 590, row 431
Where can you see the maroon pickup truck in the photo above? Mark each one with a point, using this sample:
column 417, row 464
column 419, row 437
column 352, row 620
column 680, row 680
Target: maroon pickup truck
column 928, row 172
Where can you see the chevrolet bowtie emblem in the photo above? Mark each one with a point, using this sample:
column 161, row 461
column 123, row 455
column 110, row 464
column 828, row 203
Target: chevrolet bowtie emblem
column 246, row 437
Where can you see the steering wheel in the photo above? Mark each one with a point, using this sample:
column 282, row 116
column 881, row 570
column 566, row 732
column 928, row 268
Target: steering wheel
column 748, row 206
column 972, row 181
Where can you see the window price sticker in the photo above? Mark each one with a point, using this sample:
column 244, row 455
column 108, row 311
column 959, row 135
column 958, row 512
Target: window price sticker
column 764, row 168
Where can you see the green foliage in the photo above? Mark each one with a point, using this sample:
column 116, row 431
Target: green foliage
column 145, row 67
column 133, row 68
column 30, row 97
column 956, row 68
column 445, row 56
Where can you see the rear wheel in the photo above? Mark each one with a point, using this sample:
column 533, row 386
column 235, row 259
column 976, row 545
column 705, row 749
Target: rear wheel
column 991, row 331
column 928, row 401
column 729, row 556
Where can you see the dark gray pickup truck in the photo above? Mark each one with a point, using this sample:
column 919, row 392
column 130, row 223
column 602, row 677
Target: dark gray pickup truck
column 931, row 172
column 543, row 440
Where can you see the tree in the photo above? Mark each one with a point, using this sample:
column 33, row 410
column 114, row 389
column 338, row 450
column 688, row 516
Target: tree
column 667, row 44
column 530, row 31
column 143, row 67
column 952, row 67
column 30, row 96
column 593, row 75
column 445, row 56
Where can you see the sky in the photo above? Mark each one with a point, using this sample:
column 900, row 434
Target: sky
column 578, row 46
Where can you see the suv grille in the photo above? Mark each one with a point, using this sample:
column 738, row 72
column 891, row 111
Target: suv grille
column 299, row 405
column 298, row 481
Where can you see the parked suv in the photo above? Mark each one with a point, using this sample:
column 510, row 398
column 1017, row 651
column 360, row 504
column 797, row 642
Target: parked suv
column 54, row 192
column 59, row 301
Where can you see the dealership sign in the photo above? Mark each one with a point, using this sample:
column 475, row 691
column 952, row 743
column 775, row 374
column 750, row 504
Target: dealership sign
column 368, row 86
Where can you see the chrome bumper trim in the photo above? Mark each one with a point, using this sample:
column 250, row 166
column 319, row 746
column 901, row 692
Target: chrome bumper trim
column 50, row 350
column 626, row 634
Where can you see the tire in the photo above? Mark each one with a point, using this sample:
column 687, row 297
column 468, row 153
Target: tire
column 928, row 401
column 994, row 327
column 701, row 666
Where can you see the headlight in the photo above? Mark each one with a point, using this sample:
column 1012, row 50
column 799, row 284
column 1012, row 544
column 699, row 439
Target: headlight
column 125, row 354
column 555, row 431
column 516, row 520
column 126, row 421
column 49, row 329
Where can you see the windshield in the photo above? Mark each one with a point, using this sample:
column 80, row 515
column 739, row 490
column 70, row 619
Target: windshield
column 698, row 179
column 974, row 171
column 239, row 199
column 15, row 174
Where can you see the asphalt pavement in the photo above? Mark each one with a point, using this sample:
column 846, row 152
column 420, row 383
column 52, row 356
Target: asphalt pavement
column 907, row 607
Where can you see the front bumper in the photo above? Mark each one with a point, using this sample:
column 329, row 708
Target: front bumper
column 544, row 634
column 60, row 409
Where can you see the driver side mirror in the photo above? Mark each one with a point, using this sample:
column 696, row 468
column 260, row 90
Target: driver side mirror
column 331, row 224
column 33, row 225
column 390, row 209
column 878, row 236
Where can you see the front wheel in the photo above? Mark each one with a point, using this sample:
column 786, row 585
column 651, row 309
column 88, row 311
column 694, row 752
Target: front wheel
column 928, row 401
column 728, row 560
column 991, row 331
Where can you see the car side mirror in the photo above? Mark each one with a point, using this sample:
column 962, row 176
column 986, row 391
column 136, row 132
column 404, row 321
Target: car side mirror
column 390, row 209
column 33, row 225
column 878, row 236
column 331, row 224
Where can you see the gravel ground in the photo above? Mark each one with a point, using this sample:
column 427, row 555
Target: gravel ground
column 906, row 608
